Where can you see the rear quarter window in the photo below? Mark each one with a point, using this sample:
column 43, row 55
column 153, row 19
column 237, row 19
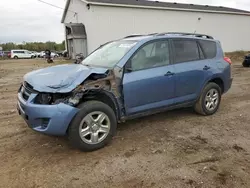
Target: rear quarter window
column 209, row 48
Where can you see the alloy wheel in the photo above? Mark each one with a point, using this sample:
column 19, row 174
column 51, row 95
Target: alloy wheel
column 212, row 99
column 94, row 127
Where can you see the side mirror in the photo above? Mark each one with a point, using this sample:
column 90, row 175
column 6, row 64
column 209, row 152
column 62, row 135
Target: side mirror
column 128, row 67
column 128, row 70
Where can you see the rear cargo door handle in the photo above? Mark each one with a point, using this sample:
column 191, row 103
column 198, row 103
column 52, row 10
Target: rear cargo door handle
column 206, row 67
column 169, row 74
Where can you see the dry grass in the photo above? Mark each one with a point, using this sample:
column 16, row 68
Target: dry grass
column 237, row 55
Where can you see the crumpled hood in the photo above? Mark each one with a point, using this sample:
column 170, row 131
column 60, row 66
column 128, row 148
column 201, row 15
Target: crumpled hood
column 60, row 78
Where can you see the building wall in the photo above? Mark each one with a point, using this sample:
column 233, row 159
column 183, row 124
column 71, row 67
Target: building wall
column 105, row 23
column 80, row 8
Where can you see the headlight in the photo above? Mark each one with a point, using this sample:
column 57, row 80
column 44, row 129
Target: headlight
column 43, row 98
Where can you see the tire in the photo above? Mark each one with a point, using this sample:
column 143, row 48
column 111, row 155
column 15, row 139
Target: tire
column 50, row 61
column 92, row 109
column 200, row 106
column 15, row 57
column 244, row 64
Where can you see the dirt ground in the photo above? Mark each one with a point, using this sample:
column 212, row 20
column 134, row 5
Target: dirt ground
column 172, row 149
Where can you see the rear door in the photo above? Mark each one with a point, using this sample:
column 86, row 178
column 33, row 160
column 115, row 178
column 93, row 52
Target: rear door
column 189, row 65
column 150, row 83
column 21, row 54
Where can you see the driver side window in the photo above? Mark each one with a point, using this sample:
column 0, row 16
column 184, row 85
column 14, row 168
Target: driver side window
column 152, row 55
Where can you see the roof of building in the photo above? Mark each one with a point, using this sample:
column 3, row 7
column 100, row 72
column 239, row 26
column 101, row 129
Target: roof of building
column 168, row 5
column 162, row 5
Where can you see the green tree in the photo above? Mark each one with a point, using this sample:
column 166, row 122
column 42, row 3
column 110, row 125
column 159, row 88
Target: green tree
column 35, row 46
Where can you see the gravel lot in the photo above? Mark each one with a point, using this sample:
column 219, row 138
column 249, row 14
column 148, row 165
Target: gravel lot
column 171, row 149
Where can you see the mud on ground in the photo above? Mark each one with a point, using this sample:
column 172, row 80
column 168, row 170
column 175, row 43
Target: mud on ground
column 172, row 149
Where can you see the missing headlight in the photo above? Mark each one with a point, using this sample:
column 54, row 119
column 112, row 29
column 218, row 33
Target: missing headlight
column 43, row 98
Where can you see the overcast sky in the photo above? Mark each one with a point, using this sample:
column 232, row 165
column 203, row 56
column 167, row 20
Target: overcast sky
column 31, row 20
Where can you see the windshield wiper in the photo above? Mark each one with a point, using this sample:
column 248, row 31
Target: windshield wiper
column 87, row 65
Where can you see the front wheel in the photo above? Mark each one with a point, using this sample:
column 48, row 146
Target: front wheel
column 209, row 100
column 93, row 126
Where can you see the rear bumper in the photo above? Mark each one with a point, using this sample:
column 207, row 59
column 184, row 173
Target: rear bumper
column 228, row 85
column 48, row 119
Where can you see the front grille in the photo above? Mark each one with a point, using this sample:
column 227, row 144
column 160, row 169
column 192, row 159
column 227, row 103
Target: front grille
column 27, row 90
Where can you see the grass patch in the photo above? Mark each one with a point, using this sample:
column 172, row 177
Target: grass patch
column 237, row 55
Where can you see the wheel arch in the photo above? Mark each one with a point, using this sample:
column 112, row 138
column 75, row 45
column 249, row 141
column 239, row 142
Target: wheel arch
column 219, row 81
column 105, row 97
column 215, row 79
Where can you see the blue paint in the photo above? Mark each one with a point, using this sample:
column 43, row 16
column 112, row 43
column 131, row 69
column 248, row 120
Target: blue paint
column 142, row 90
column 60, row 78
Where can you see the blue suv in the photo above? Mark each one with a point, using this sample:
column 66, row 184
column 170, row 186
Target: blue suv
column 123, row 79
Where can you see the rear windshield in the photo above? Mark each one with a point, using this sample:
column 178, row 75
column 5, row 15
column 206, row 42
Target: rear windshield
column 110, row 54
column 209, row 48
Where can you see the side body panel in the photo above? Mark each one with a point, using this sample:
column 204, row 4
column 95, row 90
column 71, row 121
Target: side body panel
column 148, row 89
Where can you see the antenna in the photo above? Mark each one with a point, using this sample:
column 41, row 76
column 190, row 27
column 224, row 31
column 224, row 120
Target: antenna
column 199, row 19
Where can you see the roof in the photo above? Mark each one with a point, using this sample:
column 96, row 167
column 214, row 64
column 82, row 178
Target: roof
column 161, row 5
column 168, row 35
column 169, row 5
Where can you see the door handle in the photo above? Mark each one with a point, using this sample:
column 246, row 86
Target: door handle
column 169, row 74
column 206, row 67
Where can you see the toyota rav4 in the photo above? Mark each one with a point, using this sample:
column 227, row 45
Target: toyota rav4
column 123, row 79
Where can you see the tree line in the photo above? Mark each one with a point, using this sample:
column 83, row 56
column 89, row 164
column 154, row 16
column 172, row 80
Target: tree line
column 34, row 46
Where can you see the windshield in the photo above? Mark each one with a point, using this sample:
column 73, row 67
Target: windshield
column 110, row 54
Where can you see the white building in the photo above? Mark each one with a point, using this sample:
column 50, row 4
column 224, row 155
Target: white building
column 90, row 23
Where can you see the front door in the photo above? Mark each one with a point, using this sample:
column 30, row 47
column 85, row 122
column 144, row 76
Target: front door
column 149, row 82
column 27, row 54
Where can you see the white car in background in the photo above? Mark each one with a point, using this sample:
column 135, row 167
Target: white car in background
column 21, row 54
column 35, row 53
column 41, row 54
column 53, row 55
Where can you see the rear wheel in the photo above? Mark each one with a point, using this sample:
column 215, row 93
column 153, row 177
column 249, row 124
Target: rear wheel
column 93, row 126
column 209, row 100
column 15, row 57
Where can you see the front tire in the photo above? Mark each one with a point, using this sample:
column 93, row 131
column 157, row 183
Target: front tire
column 93, row 126
column 209, row 100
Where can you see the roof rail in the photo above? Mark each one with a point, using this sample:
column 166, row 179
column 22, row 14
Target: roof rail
column 191, row 34
column 135, row 35
column 140, row 35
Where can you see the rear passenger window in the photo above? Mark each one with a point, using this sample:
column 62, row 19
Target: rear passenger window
column 186, row 50
column 209, row 48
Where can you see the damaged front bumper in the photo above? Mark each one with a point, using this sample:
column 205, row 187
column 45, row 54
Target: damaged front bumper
column 48, row 119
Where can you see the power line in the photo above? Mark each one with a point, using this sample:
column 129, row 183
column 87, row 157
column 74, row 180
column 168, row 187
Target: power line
column 55, row 6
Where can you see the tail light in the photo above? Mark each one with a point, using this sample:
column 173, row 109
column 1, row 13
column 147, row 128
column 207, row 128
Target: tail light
column 228, row 60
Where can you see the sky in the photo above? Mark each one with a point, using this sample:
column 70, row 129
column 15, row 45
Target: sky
column 32, row 21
